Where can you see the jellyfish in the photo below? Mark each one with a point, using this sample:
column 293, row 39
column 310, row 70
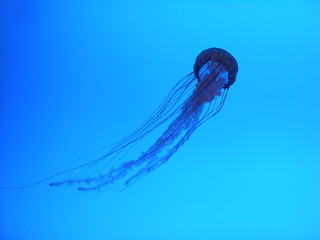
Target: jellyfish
column 193, row 100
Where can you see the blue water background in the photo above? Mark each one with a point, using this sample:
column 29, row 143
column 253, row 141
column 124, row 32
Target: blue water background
column 78, row 75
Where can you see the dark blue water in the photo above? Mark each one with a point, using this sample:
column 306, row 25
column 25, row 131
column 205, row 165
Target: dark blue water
column 78, row 75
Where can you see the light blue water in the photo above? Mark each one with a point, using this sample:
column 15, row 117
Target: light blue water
column 78, row 75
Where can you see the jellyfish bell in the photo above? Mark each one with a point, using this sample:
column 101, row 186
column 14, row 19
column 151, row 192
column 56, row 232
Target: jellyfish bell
column 220, row 57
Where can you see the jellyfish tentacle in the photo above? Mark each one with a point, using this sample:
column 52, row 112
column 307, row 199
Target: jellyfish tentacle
column 167, row 109
column 174, row 137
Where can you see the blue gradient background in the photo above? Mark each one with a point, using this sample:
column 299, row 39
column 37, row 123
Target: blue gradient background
column 78, row 75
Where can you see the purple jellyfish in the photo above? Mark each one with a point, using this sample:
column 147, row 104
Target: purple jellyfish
column 192, row 101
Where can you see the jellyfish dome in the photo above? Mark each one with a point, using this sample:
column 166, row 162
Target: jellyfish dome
column 220, row 56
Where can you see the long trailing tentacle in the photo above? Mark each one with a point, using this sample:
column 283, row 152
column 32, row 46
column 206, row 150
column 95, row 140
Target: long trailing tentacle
column 169, row 108
column 149, row 161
